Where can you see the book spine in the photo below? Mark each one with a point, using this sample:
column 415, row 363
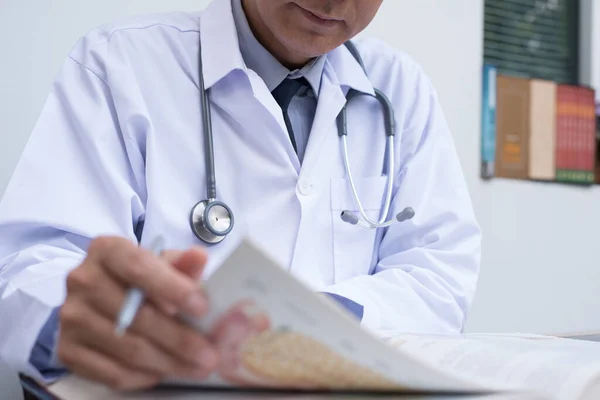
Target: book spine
column 583, row 131
column 593, row 144
column 579, row 164
column 572, row 131
column 586, row 115
column 597, row 141
column 542, row 130
column 561, row 130
column 512, row 127
column 572, row 167
column 590, row 132
column 488, row 121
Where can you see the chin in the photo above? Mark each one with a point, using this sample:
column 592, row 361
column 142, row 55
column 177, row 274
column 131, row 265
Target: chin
column 313, row 46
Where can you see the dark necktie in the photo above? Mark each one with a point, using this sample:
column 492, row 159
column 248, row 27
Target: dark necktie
column 283, row 94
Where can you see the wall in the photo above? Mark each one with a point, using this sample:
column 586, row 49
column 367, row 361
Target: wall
column 589, row 32
column 540, row 268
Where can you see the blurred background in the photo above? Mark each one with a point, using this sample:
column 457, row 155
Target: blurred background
column 541, row 254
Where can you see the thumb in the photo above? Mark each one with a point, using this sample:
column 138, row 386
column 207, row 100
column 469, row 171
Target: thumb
column 190, row 262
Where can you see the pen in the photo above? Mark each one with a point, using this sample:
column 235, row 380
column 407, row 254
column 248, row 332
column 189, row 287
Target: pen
column 135, row 296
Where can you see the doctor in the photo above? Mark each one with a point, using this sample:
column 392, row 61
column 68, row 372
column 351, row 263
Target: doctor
column 122, row 152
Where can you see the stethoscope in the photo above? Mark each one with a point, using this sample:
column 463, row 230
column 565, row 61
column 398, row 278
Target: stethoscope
column 212, row 220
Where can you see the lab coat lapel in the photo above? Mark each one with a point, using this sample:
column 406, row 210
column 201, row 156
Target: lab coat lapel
column 275, row 124
column 316, row 172
column 258, row 118
column 341, row 72
column 238, row 91
column 323, row 136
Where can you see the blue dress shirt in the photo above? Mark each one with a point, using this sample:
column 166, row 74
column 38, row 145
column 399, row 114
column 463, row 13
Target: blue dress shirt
column 43, row 356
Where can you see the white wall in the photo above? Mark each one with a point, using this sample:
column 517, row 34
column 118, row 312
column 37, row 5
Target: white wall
column 541, row 263
column 589, row 28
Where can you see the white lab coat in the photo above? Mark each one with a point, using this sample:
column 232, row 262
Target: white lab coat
column 120, row 140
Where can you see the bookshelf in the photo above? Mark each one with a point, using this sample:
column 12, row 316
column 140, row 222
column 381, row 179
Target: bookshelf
column 539, row 122
column 540, row 130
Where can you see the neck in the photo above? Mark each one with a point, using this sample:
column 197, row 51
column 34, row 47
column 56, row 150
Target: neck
column 266, row 38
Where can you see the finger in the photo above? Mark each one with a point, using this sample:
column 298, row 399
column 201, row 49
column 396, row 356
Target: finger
column 191, row 262
column 138, row 267
column 98, row 368
column 177, row 339
column 172, row 255
column 131, row 350
column 98, row 286
column 174, row 337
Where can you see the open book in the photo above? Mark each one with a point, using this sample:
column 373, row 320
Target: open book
column 301, row 340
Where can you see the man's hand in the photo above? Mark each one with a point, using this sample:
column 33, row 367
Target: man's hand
column 157, row 345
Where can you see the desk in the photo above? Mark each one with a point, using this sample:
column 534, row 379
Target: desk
column 589, row 336
column 261, row 396
column 219, row 395
column 34, row 392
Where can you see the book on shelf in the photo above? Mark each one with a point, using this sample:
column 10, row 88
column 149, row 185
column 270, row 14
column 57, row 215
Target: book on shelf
column 488, row 121
column 542, row 126
column 543, row 131
column 576, row 135
column 307, row 342
column 597, row 143
column 512, row 127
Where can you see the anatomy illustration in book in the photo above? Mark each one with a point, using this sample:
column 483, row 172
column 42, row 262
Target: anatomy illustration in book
column 257, row 355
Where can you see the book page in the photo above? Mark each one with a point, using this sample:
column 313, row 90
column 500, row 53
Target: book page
column 566, row 369
column 299, row 339
column 274, row 333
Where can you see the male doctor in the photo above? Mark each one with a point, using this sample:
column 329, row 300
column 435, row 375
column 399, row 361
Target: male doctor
column 118, row 156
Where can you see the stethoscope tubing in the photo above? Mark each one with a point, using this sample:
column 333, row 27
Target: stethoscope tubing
column 200, row 219
column 390, row 182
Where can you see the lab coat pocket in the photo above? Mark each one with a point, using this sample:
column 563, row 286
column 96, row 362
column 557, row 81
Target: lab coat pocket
column 353, row 245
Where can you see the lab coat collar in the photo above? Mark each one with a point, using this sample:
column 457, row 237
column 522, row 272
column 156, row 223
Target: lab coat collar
column 218, row 37
column 348, row 71
column 218, row 32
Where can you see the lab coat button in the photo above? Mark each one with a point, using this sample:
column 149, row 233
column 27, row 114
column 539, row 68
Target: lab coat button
column 305, row 188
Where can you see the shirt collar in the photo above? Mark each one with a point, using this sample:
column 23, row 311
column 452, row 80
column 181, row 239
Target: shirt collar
column 218, row 31
column 261, row 61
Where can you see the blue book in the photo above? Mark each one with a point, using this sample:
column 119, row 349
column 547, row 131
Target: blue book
column 488, row 121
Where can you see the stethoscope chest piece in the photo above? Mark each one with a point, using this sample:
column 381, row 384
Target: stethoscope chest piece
column 211, row 221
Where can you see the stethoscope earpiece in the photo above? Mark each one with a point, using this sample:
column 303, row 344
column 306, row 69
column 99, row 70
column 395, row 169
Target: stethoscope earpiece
column 353, row 219
column 350, row 218
column 211, row 221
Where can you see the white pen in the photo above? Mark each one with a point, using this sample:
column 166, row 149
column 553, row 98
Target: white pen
column 135, row 296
